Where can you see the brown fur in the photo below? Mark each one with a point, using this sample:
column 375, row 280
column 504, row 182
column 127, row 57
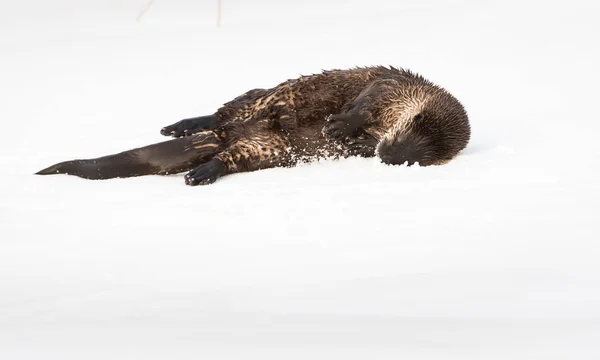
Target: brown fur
column 372, row 111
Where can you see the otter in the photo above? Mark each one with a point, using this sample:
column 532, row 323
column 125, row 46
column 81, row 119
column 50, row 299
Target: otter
column 377, row 111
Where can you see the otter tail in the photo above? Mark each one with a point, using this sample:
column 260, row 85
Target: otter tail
column 168, row 157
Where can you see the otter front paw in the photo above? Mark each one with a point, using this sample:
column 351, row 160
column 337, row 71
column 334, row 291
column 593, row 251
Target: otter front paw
column 191, row 126
column 342, row 125
column 206, row 173
column 364, row 147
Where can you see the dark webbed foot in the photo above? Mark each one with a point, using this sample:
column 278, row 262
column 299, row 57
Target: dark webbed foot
column 342, row 125
column 363, row 146
column 206, row 173
column 190, row 126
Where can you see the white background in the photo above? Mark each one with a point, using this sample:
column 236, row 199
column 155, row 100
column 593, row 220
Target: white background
column 492, row 256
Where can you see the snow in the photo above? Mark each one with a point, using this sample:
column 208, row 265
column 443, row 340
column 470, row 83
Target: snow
column 494, row 255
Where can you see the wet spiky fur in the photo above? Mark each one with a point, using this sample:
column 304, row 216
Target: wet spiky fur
column 391, row 113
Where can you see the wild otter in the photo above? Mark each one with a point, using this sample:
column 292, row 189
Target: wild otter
column 371, row 111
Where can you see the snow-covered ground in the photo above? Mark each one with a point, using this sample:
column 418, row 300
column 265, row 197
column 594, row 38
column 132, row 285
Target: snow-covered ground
column 492, row 256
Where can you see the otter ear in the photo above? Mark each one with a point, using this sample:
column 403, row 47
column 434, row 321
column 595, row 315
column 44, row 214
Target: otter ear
column 418, row 117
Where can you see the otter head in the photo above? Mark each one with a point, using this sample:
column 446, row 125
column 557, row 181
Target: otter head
column 434, row 136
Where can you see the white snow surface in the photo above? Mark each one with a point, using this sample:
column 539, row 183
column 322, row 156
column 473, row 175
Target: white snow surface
column 492, row 256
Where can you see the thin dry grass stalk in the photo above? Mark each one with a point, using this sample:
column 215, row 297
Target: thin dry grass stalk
column 144, row 10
